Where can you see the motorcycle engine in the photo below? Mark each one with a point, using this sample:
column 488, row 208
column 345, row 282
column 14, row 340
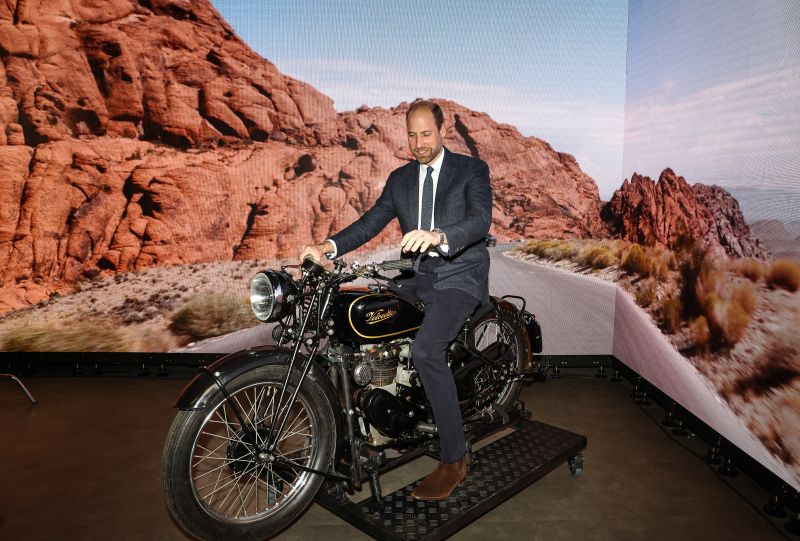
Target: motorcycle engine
column 389, row 397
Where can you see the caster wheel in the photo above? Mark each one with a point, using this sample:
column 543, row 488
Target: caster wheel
column 575, row 464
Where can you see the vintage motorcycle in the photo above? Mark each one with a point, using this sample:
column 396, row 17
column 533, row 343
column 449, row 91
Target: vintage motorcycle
column 336, row 400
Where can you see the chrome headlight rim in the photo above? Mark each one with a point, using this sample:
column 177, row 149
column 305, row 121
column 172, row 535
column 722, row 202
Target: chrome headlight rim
column 269, row 291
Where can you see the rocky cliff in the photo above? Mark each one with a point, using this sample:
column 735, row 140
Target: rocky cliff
column 135, row 134
column 656, row 214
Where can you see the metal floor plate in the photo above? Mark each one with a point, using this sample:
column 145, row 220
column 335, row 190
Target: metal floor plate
column 500, row 470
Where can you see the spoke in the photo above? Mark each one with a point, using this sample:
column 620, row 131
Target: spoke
column 238, row 490
column 297, row 451
column 235, row 479
column 276, row 474
column 304, row 434
column 247, row 494
column 212, row 435
column 211, row 453
column 223, row 465
column 295, row 421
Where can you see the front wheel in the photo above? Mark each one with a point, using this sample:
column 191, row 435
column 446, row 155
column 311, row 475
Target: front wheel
column 219, row 485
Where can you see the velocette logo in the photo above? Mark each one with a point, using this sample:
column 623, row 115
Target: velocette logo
column 381, row 314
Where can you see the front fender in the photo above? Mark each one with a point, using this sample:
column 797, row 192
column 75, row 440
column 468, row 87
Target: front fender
column 198, row 392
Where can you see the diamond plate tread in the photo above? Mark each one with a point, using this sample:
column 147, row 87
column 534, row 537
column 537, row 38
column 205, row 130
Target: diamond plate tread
column 500, row 470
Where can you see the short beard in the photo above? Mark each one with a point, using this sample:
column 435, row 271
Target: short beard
column 432, row 156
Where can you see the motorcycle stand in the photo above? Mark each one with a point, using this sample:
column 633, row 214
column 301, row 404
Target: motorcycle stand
column 497, row 471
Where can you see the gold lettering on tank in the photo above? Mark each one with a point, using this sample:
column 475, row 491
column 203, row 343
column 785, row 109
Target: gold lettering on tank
column 381, row 314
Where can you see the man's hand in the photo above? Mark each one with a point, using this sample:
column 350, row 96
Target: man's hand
column 315, row 251
column 419, row 240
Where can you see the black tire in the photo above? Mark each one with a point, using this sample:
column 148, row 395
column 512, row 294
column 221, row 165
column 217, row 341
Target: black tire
column 501, row 325
column 206, row 446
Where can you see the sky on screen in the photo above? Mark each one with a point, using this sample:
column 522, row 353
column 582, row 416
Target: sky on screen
column 553, row 69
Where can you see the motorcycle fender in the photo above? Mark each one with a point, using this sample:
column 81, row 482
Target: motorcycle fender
column 534, row 331
column 198, row 392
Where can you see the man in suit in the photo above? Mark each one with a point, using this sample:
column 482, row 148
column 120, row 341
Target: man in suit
column 443, row 202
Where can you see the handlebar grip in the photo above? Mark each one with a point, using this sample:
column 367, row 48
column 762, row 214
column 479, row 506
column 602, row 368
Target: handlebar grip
column 397, row 264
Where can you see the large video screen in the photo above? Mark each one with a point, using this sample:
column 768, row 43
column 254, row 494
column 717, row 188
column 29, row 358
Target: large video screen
column 167, row 151
column 713, row 185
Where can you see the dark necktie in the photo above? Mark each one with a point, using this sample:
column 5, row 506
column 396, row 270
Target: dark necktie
column 427, row 201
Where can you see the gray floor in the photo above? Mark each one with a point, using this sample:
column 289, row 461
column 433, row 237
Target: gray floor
column 84, row 464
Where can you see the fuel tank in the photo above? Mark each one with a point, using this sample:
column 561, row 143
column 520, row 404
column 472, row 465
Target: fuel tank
column 365, row 317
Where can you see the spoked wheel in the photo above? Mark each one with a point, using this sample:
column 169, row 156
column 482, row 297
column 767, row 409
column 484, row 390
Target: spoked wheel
column 495, row 337
column 219, row 478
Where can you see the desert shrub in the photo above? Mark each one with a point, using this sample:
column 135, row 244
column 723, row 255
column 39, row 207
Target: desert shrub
column 699, row 281
column 597, row 257
column 88, row 334
column 637, row 261
column 646, row 293
column 659, row 266
column 785, row 274
column 750, row 268
column 745, row 296
column 727, row 321
column 669, row 314
column 550, row 249
column 700, row 334
column 211, row 314
column 777, row 367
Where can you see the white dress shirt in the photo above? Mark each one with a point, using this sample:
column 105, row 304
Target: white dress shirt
column 436, row 164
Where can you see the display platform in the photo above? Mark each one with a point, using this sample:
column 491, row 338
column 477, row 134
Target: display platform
column 498, row 471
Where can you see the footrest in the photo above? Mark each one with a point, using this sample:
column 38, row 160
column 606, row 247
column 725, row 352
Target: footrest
column 502, row 468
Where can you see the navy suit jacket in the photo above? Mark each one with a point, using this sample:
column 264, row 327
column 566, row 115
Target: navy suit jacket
column 463, row 211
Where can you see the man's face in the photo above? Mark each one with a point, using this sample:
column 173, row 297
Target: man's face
column 424, row 138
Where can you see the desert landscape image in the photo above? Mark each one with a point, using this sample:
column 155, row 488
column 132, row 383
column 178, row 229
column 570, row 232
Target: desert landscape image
column 151, row 162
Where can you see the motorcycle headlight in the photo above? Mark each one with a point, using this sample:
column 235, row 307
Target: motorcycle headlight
column 268, row 294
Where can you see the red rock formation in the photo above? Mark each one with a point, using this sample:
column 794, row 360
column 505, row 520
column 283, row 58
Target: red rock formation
column 729, row 228
column 657, row 213
column 146, row 133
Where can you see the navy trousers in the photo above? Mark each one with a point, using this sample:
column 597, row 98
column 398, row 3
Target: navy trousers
column 446, row 310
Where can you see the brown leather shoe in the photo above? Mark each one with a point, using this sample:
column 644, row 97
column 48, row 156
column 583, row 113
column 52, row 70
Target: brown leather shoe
column 441, row 482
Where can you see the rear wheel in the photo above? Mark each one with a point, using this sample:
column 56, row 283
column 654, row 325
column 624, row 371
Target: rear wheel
column 496, row 337
column 219, row 485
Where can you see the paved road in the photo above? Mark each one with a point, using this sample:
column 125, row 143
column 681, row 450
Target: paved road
column 576, row 312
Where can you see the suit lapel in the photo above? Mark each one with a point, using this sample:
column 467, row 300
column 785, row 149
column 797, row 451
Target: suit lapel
column 441, row 187
column 412, row 185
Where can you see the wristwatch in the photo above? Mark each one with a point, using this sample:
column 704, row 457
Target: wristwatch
column 442, row 236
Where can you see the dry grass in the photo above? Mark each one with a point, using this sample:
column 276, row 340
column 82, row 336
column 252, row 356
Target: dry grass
column 637, row 261
column 727, row 321
column 745, row 296
column 752, row 269
column 646, row 292
column 211, row 314
column 670, row 314
column 713, row 301
column 551, row 249
column 88, row 334
column 778, row 366
column 700, row 334
column 784, row 273
column 597, row 257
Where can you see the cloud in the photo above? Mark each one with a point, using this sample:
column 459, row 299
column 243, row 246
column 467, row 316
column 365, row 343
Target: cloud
column 740, row 132
column 590, row 130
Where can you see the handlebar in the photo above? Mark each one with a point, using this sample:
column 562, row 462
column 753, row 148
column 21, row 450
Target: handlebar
column 397, row 264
